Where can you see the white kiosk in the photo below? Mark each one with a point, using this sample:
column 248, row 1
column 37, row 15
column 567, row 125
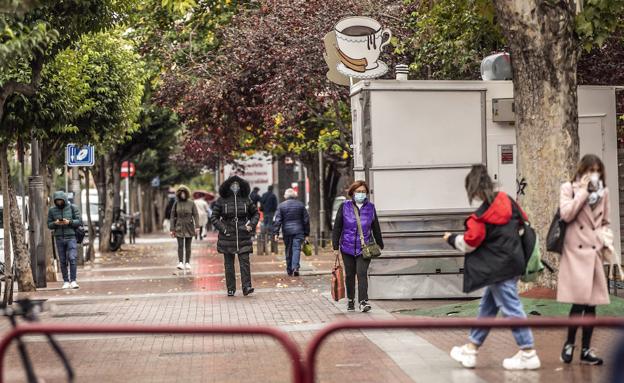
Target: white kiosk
column 414, row 142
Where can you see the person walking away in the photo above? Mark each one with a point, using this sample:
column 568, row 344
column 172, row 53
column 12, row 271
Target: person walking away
column 236, row 218
column 167, row 221
column 255, row 195
column 64, row 218
column 202, row 212
column 584, row 205
column 494, row 261
column 294, row 221
column 184, row 225
column 268, row 205
column 346, row 239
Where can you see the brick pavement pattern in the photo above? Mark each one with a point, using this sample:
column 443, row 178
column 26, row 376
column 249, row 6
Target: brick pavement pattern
column 140, row 285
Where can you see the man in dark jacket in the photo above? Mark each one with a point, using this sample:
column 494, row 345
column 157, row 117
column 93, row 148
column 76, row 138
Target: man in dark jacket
column 236, row 218
column 64, row 218
column 292, row 217
column 268, row 205
column 255, row 195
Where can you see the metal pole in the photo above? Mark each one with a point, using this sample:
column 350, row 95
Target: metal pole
column 322, row 199
column 77, row 199
column 36, row 211
column 66, row 178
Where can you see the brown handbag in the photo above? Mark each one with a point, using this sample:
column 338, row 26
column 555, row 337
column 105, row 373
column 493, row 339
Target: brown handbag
column 337, row 282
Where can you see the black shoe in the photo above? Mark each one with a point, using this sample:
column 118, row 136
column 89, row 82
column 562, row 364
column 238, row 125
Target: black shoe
column 365, row 307
column 231, row 293
column 589, row 357
column 296, row 273
column 248, row 290
column 567, row 353
column 351, row 305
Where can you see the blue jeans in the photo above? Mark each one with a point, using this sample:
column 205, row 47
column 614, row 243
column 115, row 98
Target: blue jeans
column 293, row 244
column 67, row 252
column 268, row 222
column 502, row 296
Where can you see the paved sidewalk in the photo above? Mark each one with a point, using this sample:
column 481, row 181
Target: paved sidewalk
column 140, row 285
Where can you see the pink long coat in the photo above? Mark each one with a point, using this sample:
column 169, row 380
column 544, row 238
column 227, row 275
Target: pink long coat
column 581, row 277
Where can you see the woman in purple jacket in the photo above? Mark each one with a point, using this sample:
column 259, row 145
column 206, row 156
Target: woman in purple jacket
column 346, row 239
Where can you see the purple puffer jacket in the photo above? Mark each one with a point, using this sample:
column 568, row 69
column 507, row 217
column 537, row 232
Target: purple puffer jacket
column 350, row 242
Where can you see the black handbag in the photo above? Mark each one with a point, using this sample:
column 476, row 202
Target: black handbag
column 556, row 233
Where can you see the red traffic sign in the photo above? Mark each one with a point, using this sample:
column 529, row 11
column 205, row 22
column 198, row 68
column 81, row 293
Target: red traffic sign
column 127, row 167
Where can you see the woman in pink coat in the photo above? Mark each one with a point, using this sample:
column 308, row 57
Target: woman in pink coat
column 584, row 205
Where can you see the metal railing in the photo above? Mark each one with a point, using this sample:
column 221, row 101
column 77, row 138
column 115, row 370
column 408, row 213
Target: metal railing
column 448, row 323
column 304, row 369
column 50, row 329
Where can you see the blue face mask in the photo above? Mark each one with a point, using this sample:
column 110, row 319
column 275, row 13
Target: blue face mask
column 359, row 197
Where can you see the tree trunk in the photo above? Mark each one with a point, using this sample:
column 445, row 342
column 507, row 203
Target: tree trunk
column 105, row 228
column 4, row 169
column 25, row 279
column 544, row 53
column 48, row 179
column 312, row 165
column 90, row 256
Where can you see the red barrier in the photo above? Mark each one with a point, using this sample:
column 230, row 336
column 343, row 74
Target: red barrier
column 29, row 329
column 444, row 323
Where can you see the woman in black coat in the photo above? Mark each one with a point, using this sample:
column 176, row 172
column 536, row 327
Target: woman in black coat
column 235, row 217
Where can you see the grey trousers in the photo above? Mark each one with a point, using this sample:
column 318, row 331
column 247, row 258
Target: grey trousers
column 230, row 273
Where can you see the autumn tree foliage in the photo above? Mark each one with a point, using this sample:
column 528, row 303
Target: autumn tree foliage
column 265, row 86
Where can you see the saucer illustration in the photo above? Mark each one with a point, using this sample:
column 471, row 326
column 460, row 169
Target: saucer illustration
column 370, row 74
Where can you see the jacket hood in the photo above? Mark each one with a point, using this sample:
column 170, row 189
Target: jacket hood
column 497, row 213
column 183, row 188
column 60, row 195
column 224, row 189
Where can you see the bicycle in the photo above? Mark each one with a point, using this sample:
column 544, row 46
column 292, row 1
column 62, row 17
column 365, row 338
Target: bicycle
column 30, row 310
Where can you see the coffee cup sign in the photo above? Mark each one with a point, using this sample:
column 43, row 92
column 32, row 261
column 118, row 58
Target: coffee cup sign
column 360, row 41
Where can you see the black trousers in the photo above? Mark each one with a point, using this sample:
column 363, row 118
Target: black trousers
column 230, row 273
column 584, row 311
column 184, row 242
column 356, row 266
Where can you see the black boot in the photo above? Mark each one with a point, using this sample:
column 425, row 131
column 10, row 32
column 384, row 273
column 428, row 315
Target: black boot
column 247, row 290
column 567, row 353
column 589, row 357
column 231, row 293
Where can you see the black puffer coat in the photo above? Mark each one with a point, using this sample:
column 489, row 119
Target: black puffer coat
column 230, row 214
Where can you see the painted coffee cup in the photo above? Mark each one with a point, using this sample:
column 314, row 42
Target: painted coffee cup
column 360, row 41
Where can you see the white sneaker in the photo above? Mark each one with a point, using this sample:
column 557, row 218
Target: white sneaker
column 188, row 266
column 181, row 266
column 66, row 285
column 74, row 285
column 523, row 360
column 465, row 355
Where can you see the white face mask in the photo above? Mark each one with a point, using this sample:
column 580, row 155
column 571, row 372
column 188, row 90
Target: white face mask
column 359, row 197
column 594, row 178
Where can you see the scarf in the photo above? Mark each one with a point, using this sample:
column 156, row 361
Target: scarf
column 596, row 195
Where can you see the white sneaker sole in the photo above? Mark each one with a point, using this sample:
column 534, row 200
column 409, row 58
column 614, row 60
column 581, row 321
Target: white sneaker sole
column 528, row 366
column 461, row 361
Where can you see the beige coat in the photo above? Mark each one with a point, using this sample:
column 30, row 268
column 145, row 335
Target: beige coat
column 581, row 277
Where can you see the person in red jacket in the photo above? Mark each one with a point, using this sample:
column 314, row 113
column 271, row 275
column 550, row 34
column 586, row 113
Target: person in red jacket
column 494, row 261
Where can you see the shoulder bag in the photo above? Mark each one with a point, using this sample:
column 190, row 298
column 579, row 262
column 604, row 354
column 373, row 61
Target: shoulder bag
column 369, row 250
column 556, row 232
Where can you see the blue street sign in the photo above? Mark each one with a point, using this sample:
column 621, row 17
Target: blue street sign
column 80, row 155
column 156, row 182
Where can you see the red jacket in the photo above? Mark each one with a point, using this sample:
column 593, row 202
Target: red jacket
column 492, row 244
